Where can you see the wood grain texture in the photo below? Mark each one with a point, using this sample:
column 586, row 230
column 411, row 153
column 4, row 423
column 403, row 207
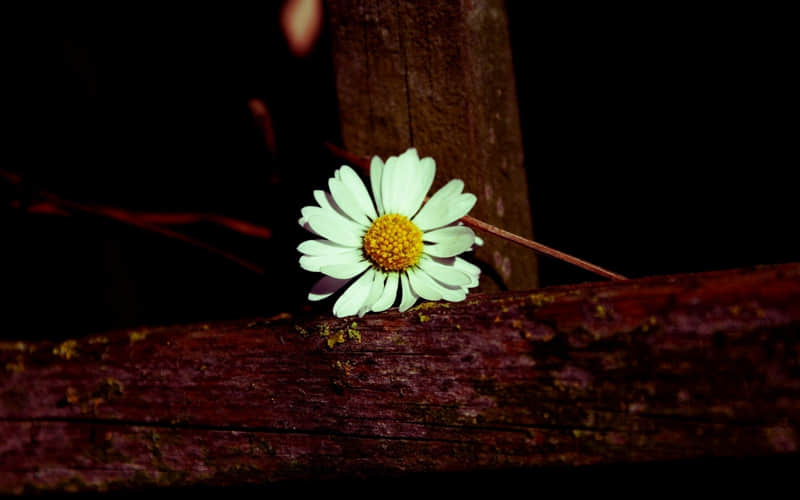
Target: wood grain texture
column 440, row 79
column 653, row 369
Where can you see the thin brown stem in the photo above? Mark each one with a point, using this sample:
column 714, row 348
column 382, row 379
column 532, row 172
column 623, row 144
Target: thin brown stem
column 538, row 247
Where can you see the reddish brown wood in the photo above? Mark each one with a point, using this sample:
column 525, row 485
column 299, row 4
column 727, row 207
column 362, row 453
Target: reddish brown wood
column 440, row 77
column 652, row 369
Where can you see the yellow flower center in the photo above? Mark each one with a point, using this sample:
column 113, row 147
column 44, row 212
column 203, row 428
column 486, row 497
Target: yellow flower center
column 393, row 242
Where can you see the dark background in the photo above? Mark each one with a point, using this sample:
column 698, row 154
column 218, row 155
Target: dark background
column 657, row 141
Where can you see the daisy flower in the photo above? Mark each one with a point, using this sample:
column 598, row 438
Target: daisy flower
column 390, row 243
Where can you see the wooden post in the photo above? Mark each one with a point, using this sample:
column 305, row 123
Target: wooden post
column 439, row 76
column 664, row 368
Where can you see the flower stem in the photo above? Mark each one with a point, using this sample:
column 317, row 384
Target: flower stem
column 538, row 247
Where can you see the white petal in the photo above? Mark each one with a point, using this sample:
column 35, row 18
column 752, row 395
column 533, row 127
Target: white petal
column 409, row 298
column 315, row 263
column 405, row 181
column 375, row 172
column 347, row 201
column 308, row 211
column 445, row 206
column 423, row 285
column 447, row 274
column 454, row 294
column 344, row 271
column 421, row 279
column 326, row 202
column 304, row 224
column 457, row 241
column 388, row 191
column 472, row 270
column 356, row 186
column 444, row 211
column 336, row 228
column 325, row 287
column 439, row 200
column 321, row 247
column 374, row 293
column 423, row 179
column 448, row 233
column 386, row 299
column 352, row 298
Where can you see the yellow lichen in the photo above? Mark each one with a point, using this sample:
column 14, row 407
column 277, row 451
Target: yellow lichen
column 136, row 336
column 346, row 367
column 71, row 395
column 336, row 338
column 600, row 312
column 302, row 331
column 431, row 305
column 99, row 340
column 108, row 388
column 67, row 349
column 324, row 330
column 353, row 333
column 17, row 367
column 12, row 346
column 540, row 299
column 423, row 318
column 651, row 322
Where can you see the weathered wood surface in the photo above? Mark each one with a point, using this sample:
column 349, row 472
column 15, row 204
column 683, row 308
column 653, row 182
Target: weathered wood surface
column 440, row 78
column 653, row 369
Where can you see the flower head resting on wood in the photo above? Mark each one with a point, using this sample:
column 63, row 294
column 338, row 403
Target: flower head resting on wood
column 390, row 243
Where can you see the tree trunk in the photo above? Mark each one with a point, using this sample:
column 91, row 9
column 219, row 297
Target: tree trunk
column 440, row 79
column 661, row 368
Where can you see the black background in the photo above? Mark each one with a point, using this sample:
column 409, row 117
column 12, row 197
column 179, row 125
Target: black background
column 657, row 140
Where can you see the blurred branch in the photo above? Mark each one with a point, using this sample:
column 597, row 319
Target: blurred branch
column 263, row 119
column 51, row 204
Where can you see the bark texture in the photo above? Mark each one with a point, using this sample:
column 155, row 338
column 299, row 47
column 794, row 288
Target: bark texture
column 662, row 368
column 440, row 78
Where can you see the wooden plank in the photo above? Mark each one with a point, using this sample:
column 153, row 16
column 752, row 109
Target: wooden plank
column 440, row 79
column 663, row 368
